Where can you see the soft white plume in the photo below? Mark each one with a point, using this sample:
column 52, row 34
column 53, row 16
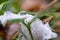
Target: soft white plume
column 39, row 30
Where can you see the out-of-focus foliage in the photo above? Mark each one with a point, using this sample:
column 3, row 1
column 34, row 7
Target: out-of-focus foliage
column 15, row 7
column 12, row 5
column 1, row 1
column 56, row 6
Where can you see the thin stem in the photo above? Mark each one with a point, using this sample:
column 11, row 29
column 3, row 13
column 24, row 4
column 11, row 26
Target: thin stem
column 28, row 27
column 31, row 34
